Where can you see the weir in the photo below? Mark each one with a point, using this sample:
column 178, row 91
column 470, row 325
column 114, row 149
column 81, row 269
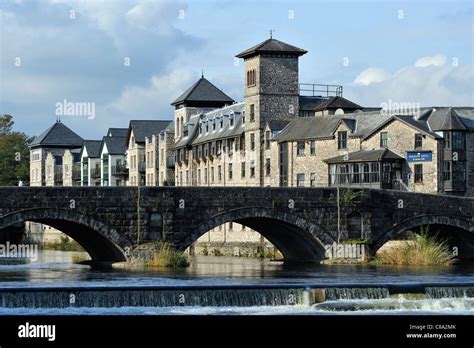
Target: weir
column 226, row 295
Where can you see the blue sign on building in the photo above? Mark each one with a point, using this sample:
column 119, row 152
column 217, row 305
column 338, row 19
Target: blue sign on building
column 419, row 156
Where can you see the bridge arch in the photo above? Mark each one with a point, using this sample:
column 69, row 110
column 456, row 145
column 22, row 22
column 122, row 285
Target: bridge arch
column 295, row 237
column 461, row 232
column 102, row 243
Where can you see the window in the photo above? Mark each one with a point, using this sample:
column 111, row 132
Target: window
column 212, row 174
column 230, row 171
column 447, row 170
column 252, row 169
column 447, row 140
column 418, row 173
column 312, row 148
column 267, row 139
column 252, row 112
column 221, row 122
column 251, row 78
column 342, row 140
column 252, row 141
column 300, row 180
column 198, row 178
column 312, row 179
column 205, row 176
column 243, row 170
column 231, row 120
column 300, row 148
column 219, row 173
column 243, row 117
column 383, row 139
column 458, row 140
column 267, row 167
column 418, row 141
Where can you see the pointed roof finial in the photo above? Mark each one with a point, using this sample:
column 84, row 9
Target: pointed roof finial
column 271, row 33
column 202, row 73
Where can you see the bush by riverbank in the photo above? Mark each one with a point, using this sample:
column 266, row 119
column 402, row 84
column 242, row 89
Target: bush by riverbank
column 65, row 244
column 420, row 249
column 168, row 257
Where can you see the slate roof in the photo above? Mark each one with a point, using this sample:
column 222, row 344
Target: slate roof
column 273, row 46
column 365, row 156
column 203, row 91
column 92, row 147
column 276, row 125
column 362, row 124
column 115, row 145
column 336, row 103
column 227, row 131
column 117, row 132
column 58, row 135
column 451, row 118
column 145, row 128
column 309, row 103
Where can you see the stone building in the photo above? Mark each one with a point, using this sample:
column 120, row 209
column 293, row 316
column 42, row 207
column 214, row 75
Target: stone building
column 52, row 156
column 138, row 131
column 160, row 157
column 379, row 150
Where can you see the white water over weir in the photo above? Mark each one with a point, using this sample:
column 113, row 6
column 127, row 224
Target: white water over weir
column 219, row 296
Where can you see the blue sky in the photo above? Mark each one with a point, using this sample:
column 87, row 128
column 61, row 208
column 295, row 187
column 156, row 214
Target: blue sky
column 406, row 51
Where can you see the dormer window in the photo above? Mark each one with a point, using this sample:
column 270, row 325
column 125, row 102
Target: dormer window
column 200, row 128
column 231, row 120
column 221, row 122
column 214, row 124
column 243, row 117
column 207, row 127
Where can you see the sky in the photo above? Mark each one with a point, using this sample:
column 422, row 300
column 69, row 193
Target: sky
column 129, row 59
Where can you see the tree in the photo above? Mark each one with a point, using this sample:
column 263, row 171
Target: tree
column 14, row 153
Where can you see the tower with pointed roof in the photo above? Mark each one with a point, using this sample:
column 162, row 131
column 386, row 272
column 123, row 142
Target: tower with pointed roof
column 201, row 96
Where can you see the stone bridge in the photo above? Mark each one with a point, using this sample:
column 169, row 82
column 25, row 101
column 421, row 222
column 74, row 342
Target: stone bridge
column 110, row 221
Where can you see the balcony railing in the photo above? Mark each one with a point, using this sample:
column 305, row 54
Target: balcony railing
column 95, row 173
column 320, row 90
column 119, row 170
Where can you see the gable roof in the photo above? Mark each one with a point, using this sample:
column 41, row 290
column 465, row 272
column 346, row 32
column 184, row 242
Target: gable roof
column 274, row 46
column 58, row 135
column 93, row 148
column 115, row 145
column 362, row 124
column 145, row 128
column 203, row 91
column 117, row 132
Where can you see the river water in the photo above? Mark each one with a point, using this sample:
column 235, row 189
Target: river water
column 132, row 294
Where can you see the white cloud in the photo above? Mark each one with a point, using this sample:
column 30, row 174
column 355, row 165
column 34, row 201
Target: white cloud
column 437, row 60
column 155, row 98
column 440, row 85
column 370, row 76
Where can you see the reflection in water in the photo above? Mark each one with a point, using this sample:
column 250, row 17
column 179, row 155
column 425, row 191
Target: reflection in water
column 55, row 268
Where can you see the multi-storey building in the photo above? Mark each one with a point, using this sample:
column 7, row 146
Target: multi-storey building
column 113, row 166
column 160, row 158
column 136, row 153
column 54, row 141
column 379, row 150
column 91, row 173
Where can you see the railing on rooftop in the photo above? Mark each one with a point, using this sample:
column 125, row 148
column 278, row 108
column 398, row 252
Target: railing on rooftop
column 320, row 90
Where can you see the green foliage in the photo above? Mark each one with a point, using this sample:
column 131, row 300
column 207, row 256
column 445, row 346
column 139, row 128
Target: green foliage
column 14, row 154
column 351, row 196
column 216, row 252
column 421, row 249
column 168, row 257
column 205, row 252
column 65, row 244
